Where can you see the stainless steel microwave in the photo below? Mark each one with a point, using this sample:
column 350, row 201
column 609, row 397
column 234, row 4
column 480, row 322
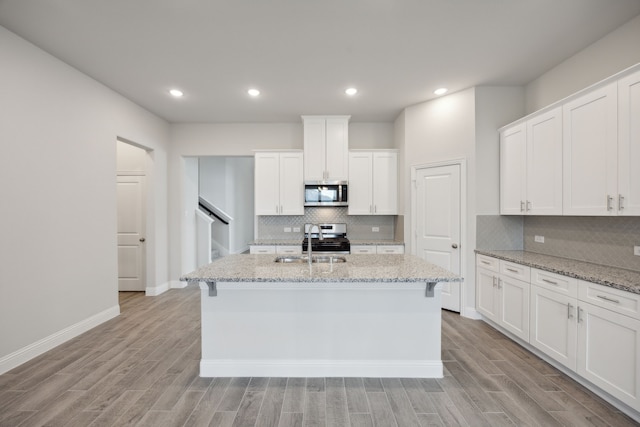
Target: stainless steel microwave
column 325, row 193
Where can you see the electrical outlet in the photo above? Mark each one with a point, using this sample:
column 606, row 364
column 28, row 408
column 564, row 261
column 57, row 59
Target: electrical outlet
column 296, row 229
column 375, row 229
column 636, row 250
column 287, row 229
column 539, row 239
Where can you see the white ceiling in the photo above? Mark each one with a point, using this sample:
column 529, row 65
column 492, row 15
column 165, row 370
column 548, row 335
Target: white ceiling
column 303, row 54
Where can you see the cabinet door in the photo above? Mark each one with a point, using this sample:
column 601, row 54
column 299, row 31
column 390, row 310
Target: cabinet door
column 590, row 153
column 267, row 183
column 609, row 352
column 262, row 249
column 337, row 149
column 514, row 306
column 385, row 183
column 513, row 155
column 314, row 148
column 553, row 325
column 291, row 184
column 486, row 288
column 544, row 164
column 360, row 183
column 629, row 145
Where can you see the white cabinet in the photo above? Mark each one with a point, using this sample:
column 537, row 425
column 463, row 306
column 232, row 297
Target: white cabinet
column 590, row 153
column 377, row 249
column 629, row 145
column 326, row 148
column 609, row 352
column 262, row 249
column 289, row 249
column 531, row 166
column 279, row 183
column 373, row 182
column 553, row 316
column 501, row 297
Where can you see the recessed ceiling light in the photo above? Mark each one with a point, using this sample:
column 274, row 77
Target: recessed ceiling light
column 175, row 92
column 440, row 91
column 351, row 91
column 253, row 92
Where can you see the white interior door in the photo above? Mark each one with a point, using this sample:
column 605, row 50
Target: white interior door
column 438, row 224
column 131, row 233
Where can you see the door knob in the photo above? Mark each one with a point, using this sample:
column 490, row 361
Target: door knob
column 454, row 245
column 142, row 239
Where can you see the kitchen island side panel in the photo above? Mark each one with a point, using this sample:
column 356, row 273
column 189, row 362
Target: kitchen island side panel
column 321, row 330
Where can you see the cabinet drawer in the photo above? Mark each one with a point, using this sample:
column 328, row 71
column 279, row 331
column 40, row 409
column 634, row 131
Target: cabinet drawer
column 292, row 250
column 517, row 271
column 555, row 282
column 622, row 302
column 262, row 249
column 363, row 249
column 488, row 263
column 390, row 249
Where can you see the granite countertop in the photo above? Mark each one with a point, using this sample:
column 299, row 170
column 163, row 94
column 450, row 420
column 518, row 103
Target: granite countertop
column 358, row 268
column 626, row 280
column 269, row 242
column 375, row 242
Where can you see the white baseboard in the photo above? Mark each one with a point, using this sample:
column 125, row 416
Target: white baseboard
column 27, row 353
column 322, row 368
column 471, row 313
column 177, row 284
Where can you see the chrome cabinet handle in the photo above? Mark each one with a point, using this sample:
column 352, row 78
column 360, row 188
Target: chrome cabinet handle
column 620, row 202
column 528, row 206
column 494, row 281
column 512, row 270
column 579, row 311
column 609, row 202
column 521, row 206
column 485, row 262
column 569, row 307
column 608, row 299
column 499, row 283
column 551, row 282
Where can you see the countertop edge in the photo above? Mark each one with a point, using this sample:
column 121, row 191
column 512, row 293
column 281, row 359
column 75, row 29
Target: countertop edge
column 588, row 277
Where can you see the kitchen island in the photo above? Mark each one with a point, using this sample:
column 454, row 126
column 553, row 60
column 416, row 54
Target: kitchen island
column 371, row 316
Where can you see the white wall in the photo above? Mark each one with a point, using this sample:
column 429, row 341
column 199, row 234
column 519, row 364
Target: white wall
column 58, row 264
column 616, row 51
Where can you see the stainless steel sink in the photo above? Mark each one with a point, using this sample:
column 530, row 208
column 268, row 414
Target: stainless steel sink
column 317, row 259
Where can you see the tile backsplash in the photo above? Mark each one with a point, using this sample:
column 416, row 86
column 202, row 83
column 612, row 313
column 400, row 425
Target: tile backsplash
column 358, row 226
column 600, row 240
column 495, row 232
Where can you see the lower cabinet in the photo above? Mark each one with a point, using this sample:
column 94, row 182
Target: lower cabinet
column 262, row 249
column 276, row 249
column 593, row 330
column 501, row 298
column 377, row 249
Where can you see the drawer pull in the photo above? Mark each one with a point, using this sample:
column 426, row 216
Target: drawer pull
column 608, row 299
column 485, row 262
column 569, row 307
column 551, row 282
column 512, row 270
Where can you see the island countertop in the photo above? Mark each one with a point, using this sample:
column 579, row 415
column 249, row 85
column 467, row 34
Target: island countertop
column 358, row 268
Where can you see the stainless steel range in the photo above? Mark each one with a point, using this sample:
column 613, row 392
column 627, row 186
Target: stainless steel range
column 334, row 239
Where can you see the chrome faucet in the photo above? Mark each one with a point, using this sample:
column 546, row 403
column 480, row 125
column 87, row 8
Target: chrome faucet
column 320, row 237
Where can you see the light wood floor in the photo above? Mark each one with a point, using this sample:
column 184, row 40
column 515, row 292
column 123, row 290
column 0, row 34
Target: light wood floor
column 142, row 369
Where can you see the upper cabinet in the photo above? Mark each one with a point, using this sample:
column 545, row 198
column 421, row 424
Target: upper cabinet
column 326, row 148
column 279, row 183
column 373, row 182
column 578, row 156
column 590, row 153
column 531, row 166
column 629, row 145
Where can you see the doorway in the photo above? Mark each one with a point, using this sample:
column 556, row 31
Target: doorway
column 437, row 222
column 131, row 214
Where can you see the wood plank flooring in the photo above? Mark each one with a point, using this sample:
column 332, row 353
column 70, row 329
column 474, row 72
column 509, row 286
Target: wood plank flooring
column 142, row 369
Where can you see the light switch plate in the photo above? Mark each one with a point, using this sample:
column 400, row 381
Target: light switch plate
column 287, row 229
column 636, row 250
column 296, row 229
column 539, row 239
column 375, row 229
